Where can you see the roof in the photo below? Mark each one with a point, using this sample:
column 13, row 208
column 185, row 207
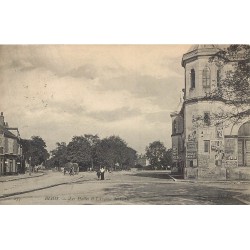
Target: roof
column 7, row 133
column 202, row 46
column 200, row 50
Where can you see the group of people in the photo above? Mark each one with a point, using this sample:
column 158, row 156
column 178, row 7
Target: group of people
column 70, row 170
column 100, row 173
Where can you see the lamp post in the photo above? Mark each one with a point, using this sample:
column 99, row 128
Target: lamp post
column 18, row 167
column 5, row 167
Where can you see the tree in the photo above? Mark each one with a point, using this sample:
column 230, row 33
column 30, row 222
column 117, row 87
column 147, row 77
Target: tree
column 129, row 157
column 167, row 158
column 59, row 155
column 234, row 87
column 79, row 151
column 113, row 151
column 34, row 150
column 155, row 153
column 93, row 142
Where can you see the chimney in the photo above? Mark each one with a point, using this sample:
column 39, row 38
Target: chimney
column 1, row 119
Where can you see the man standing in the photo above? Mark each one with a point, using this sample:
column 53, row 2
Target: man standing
column 98, row 173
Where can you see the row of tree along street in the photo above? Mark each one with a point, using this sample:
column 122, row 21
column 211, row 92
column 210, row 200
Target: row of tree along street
column 91, row 152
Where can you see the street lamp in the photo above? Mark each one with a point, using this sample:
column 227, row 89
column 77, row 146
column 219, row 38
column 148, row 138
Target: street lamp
column 5, row 167
column 18, row 167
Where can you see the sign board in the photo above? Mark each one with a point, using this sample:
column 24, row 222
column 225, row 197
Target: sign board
column 191, row 146
column 191, row 155
column 219, row 131
column 230, row 149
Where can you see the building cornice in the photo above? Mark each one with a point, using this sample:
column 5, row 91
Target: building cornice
column 193, row 55
column 203, row 99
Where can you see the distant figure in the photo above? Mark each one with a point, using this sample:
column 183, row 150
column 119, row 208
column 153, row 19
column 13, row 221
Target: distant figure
column 71, row 171
column 98, row 173
column 102, row 173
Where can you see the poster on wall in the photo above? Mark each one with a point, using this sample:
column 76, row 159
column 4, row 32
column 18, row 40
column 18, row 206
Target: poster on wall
column 216, row 146
column 219, row 131
column 192, row 146
column 230, row 149
column 191, row 155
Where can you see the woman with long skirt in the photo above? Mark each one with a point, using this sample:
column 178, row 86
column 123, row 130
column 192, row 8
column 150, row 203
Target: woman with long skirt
column 102, row 173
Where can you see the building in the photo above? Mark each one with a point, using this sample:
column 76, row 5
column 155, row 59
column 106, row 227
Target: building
column 206, row 151
column 10, row 149
column 142, row 160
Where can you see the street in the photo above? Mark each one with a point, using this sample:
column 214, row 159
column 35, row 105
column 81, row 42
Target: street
column 123, row 187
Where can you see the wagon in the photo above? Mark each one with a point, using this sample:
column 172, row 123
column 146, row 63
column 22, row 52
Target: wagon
column 71, row 168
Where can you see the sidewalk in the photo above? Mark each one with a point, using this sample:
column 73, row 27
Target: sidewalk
column 19, row 176
column 11, row 189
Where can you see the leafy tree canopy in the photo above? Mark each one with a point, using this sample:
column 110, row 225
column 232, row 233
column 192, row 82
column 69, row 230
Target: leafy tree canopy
column 34, row 150
column 155, row 153
column 233, row 86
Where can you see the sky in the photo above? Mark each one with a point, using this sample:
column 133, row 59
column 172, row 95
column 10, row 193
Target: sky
column 61, row 91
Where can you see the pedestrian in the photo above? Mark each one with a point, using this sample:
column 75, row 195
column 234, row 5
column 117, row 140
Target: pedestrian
column 98, row 173
column 71, row 171
column 102, row 173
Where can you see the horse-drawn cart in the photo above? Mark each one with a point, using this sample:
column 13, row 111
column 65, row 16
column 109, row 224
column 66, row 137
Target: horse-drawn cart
column 71, row 168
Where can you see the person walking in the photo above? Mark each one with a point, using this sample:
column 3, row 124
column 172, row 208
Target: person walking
column 71, row 171
column 102, row 170
column 98, row 173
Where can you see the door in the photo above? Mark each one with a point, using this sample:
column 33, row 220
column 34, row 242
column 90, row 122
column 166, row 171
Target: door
column 244, row 152
column 247, row 153
column 244, row 144
column 240, row 153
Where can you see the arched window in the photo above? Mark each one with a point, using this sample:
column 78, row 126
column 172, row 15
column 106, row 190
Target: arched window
column 192, row 78
column 206, row 77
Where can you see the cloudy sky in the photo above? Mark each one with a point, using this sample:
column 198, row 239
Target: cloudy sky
column 58, row 91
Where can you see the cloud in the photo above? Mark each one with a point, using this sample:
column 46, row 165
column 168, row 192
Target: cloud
column 58, row 91
column 118, row 114
column 88, row 71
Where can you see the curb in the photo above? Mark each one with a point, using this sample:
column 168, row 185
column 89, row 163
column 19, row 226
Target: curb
column 22, row 178
column 37, row 189
column 214, row 181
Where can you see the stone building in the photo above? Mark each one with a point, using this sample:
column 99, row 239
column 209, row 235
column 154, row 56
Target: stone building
column 10, row 149
column 207, row 151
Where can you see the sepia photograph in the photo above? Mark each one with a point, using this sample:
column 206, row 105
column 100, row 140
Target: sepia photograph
column 125, row 124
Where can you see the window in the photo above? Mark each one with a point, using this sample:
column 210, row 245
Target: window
column 207, row 118
column 192, row 78
column 174, row 127
column 206, row 146
column 206, row 77
column 191, row 164
column 218, row 78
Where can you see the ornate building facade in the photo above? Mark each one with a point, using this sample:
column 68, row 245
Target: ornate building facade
column 10, row 149
column 206, row 151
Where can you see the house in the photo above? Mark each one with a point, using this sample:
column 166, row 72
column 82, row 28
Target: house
column 10, row 149
column 207, row 151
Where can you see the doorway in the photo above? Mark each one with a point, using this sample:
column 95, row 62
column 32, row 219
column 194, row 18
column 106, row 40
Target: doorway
column 244, row 145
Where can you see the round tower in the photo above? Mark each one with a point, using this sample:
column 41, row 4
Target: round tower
column 202, row 140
